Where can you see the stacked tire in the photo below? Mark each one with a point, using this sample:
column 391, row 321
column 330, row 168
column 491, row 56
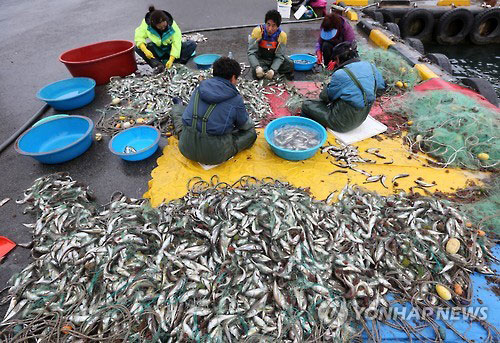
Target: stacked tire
column 454, row 26
column 486, row 27
column 451, row 28
column 417, row 23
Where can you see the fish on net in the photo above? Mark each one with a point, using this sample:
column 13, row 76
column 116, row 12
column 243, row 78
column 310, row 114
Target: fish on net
column 234, row 262
column 148, row 99
column 452, row 127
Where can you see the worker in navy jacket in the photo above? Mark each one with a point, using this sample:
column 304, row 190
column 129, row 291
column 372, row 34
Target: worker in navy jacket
column 215, row 125
column 346, row 101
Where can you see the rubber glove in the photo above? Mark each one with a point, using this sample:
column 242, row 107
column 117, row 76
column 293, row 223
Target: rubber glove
column 319, row 55
column 269, row 75
column 146, row 51
column 170, row 62
column 259, row 72
column 331, row 65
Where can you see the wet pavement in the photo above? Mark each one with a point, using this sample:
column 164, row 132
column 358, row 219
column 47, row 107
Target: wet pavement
column 33, row 36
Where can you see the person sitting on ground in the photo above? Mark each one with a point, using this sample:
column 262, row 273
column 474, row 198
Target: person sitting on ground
column 345, row 102
column 165, row 44
column 215, row 125
column 334, row 30
column 267, row 49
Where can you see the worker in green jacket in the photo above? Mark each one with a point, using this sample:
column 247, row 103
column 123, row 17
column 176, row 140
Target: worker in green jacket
column 165, row 38
column 267, row 49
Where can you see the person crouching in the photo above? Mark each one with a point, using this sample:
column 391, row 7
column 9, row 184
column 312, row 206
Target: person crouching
column 267, row 49
column 345, row 102
column 215, row 125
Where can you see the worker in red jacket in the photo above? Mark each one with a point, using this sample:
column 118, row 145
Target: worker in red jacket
column 334, row 30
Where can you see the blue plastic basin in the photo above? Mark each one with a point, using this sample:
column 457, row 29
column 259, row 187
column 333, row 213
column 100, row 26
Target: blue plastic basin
column 294, row 155
column 57, row 140
column 144, row 139
column 303, row 57
column 43, row 120
column 68, row 94
column 205, row 61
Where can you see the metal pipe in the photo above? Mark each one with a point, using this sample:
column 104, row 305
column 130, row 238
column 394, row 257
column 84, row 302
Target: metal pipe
column 246, row 25
column 24, row 127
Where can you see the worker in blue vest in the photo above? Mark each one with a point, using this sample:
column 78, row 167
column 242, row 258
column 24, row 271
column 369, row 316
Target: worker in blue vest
column 345, row 102
column 267, row 49
column 215, row 125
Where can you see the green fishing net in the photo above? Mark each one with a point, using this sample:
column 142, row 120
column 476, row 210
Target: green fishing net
column 393, row 67
column 452, row 127
column 487, row 211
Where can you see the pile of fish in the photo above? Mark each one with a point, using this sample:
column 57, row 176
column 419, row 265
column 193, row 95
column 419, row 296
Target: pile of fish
column 253, row 261
column 295, row 137
column 195, row 37
column 147, row 99
column 301, row 61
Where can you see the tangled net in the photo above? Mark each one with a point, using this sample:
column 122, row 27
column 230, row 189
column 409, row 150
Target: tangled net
column 251, row 261
column 451, row 127
column 487, row 210
column 393, row 68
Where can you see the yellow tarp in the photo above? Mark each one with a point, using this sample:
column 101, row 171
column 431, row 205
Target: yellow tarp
column 170, row 178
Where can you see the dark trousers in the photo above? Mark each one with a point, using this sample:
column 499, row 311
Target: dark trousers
column 327, row 49
column 338, row 115
column 162, row 55
column 210, row 149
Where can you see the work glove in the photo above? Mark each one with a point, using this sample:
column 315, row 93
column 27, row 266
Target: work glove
column 146, row 51
column 331, row 65
column 319, row 55
column 170, row 62
column 259, row 72
column 269, row 75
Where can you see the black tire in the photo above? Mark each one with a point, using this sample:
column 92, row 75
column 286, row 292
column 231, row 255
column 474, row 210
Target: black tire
column 416, row 44
column 388, row 16
column 393, row 28
column 454, row 26
column 417, row 23
column 440, row 60
column 486, row 27
column 483, row 87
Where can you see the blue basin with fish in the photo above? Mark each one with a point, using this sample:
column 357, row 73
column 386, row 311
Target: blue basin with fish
column 303, row 62
column 205, row 61
column 136, row 143
column 57, row 140
column 294, row 155
column 68, row 94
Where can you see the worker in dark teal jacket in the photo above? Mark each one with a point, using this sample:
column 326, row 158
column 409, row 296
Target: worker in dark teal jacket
column 345, row 102
column 215, row 125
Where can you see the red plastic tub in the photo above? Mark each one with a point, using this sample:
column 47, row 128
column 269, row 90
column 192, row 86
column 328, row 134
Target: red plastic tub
column 101, row 60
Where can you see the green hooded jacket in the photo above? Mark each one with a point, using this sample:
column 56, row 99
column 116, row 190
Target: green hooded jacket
column 172, row 36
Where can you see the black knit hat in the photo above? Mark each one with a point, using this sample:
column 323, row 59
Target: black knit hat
column 345, row 50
